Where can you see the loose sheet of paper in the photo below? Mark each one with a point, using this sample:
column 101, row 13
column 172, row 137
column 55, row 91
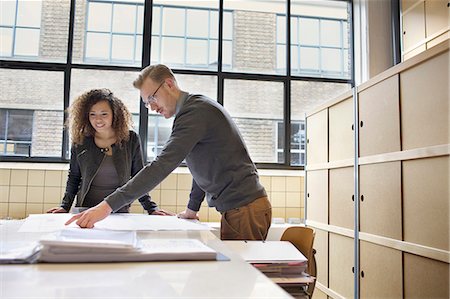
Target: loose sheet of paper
column 137, row 222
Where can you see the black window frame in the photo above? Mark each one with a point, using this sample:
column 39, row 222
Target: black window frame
column 221, row 75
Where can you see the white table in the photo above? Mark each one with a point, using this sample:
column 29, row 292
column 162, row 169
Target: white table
column 201, row 279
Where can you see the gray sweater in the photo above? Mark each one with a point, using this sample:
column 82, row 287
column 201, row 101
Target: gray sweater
column 204, row 134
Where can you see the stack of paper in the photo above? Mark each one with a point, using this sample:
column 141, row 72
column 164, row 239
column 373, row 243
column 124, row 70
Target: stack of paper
column 92, row 245
column 279, row 260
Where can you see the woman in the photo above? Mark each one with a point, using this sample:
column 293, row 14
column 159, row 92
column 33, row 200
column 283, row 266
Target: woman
column 105, row 153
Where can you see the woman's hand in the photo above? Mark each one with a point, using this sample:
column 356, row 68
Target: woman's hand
column 57, row 210
column 162, row 213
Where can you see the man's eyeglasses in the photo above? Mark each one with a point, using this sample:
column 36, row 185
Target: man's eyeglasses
column 151, row 99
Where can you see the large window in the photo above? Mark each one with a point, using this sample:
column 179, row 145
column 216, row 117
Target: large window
column 297, row 143
column 248, row 67
column 16, row 127
column 20, row 26
column 114, row 32
column 319, row 44
column 188, row 37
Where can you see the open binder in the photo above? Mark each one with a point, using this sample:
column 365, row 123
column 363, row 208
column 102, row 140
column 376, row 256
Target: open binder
column 91, row 245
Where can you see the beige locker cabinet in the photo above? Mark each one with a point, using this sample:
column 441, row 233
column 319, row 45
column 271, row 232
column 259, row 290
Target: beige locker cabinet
column 318, row 294
column 380, row 271
column 341, row 193
column 414, row 52
column 341, row 265
column 321, row 247
column 424, row 102
column 317, row 196
column 437, row 16
column 439, row 39
column 380, row 203
column 413, row 26
column 317, row 138
column 379, row 121
column 406, row 4
column 425, row 278
column 426, row 201
column 340, row 122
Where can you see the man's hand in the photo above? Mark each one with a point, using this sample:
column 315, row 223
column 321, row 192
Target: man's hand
column 162, row 213
column 56, row 210
column 188, row 214
column 88, row 218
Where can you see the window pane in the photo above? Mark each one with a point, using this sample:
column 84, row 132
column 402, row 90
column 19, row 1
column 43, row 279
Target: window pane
column 122, row 47
column 214, row 24
column 227, row 25
column 173, row 21
column 97, row 45
column 138, row 49
column 305, row 96
column 109, row 32
column 20, row 125
column 124, row 20
column 15, row 132
column 197, row 52
column 331, row 60
column 29, row 13
column 281, row 57
column 295, row 53
column 37, row 31
column 309, row 59
column 294, row 30
column 7, row 13
column 281, row 29
column 27, row 42
column 213, row 53
column 197, row 23
column 99, row 17
column 227, row 54
column 155, row 50
column 140, row 19
column 159, row 130
column 320, row 27
column 42, row 97
column 6, row 44
column 256, row 107
column 254, row 33
column 330, row 33
column 309, row 31
column 156, row 20
column 180, row 26
column 172, row 51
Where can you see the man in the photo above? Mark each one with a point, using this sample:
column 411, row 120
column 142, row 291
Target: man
column 204, row 134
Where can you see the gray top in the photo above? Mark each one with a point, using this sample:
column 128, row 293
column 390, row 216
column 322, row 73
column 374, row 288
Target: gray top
column 204, row 134
column 85, row 160
column 104, row 183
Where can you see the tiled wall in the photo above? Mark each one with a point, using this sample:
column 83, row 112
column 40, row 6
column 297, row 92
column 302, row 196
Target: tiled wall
column 33, row 188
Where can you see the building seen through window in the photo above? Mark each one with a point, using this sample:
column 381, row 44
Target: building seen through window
column 16, row 127
column 246, row 72
column 20, row 26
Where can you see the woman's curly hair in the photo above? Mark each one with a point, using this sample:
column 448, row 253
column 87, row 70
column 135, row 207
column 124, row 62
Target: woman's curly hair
column 78, row 120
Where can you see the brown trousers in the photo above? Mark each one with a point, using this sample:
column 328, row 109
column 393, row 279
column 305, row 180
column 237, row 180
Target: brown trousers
column 249, row 222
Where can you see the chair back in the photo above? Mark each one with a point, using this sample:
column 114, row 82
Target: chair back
column 303, row 239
